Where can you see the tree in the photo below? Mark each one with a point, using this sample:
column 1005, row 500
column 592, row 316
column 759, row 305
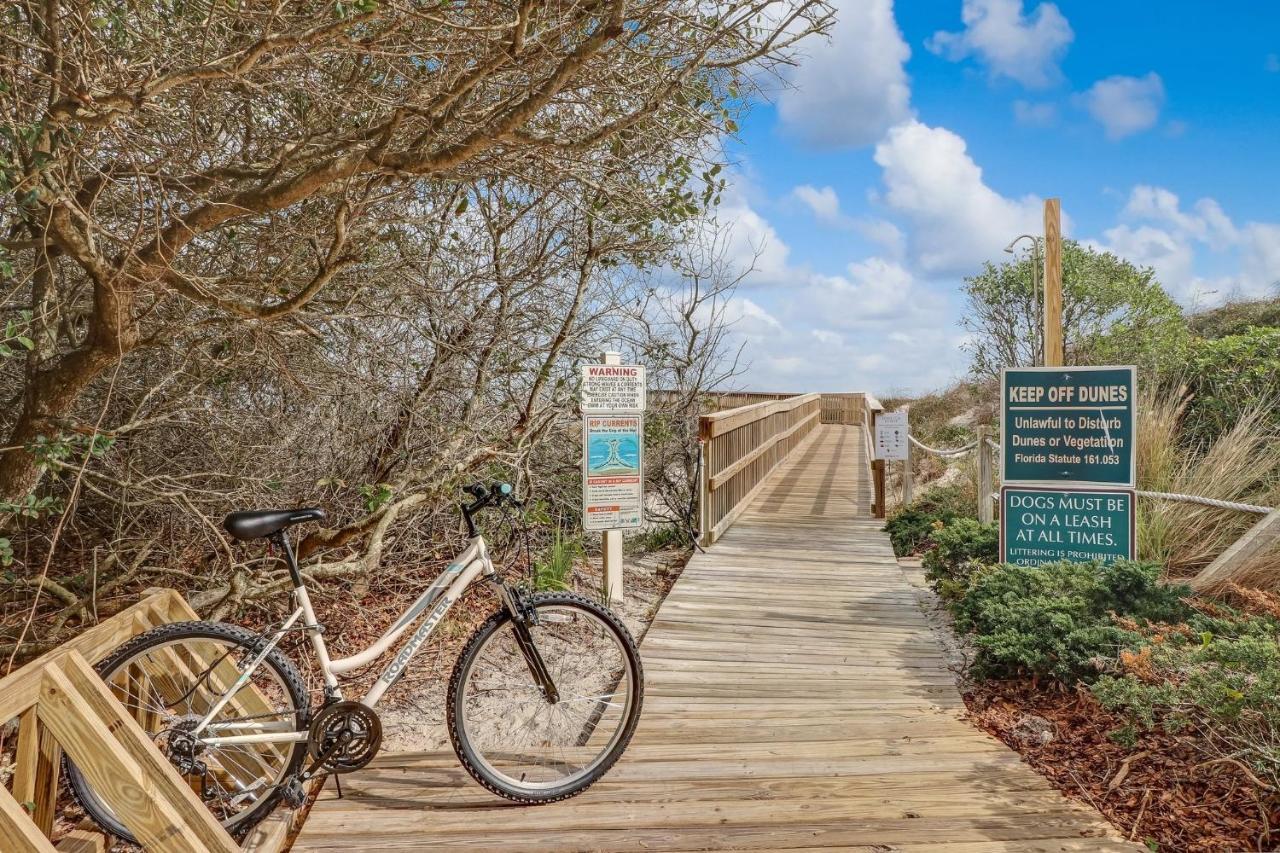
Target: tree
column 244, row 167
column 1112, row 312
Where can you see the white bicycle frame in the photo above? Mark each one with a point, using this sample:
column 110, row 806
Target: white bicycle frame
column 440, row 596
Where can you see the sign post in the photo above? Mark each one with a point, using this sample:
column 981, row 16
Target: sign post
column 1068, row 433
column 1053, row 348
column 613, row 402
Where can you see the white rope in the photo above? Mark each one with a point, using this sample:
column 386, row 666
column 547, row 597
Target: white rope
column 955, row 451
column 1196, row 499
column 1174, row 496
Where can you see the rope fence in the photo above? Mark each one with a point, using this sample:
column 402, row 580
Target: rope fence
column 994, row 448
column 955, row 451
column 1262, row 535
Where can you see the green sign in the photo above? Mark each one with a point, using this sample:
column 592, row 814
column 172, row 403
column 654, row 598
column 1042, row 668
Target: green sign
column 1074, row 525
column 1067, row 426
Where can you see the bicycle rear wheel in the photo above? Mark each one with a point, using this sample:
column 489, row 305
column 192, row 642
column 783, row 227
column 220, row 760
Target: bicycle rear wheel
column 169, row 678
column 514, row 741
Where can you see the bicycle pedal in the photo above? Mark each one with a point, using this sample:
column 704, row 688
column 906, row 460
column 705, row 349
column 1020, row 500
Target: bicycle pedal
column 293, row 794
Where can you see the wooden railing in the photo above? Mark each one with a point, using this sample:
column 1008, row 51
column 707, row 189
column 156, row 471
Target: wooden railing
column 740, row 448
column 844, row 408
column 63, row 706
column 717, row 401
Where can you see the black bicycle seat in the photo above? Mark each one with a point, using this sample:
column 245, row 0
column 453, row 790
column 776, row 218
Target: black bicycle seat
column 257, row 523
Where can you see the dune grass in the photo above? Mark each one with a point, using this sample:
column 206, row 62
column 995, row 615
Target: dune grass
column 1241, row 465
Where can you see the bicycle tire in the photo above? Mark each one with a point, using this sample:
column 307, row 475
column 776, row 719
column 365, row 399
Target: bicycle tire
column 455, row 699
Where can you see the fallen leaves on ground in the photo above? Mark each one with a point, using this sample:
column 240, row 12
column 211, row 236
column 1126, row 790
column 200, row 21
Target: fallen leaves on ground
column 1162, row 791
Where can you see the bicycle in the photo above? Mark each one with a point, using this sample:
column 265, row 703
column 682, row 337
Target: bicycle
column 542, row 701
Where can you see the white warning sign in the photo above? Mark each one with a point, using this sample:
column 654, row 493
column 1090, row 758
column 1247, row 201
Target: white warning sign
column 612, row 388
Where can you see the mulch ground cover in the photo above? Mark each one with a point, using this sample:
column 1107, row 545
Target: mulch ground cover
column 1162, row 791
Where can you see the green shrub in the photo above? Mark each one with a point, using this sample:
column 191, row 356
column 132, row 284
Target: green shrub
column 657, row 538
column 1227, row 376
column 1219, row 678
column 960, row 549
column 912, row 526
column 1235, row 317
column 553, row 570
column 1055, row 620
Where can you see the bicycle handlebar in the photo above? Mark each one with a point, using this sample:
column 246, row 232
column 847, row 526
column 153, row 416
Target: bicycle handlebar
column 496, row 495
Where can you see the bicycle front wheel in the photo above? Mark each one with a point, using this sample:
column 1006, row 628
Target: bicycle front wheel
column 507, row 734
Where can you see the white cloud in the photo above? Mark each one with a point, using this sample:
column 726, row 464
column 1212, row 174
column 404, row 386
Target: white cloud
column 849, row 89
column 1125, row 105
column 823, row 202
column 749, row 320
column 1260, row 266
column 1208, row 224
column 1035, row 115
column 1164, row 235
column 1023, row 47
column 748, row 241
column 1148, row 246
column 957, row 220
column 802, row 330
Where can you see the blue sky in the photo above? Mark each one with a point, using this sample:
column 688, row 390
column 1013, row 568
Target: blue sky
column 923, row 136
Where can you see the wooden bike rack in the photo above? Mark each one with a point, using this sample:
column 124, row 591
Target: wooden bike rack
column 63, row 706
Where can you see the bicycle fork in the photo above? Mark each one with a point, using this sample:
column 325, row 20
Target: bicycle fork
column 521, row 618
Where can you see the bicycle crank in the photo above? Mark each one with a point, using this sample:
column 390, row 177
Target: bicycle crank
column 344, row 736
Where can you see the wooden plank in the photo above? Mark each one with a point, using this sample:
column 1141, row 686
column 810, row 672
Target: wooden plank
column 123, row 765
column 82, row 841
column 38, row 763
column 1259, row 538
column 17, row 832
column 722, row 422
column 724, row 524
column 20, row 689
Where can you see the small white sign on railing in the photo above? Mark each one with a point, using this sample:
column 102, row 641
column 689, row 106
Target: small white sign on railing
column 891, row 435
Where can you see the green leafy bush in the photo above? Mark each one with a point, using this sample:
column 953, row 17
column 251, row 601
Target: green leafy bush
column 1054, row 621
column 912, row 526
column 1219, row 678
column 1235, row 317
column 1228, row 375
column 961, row 548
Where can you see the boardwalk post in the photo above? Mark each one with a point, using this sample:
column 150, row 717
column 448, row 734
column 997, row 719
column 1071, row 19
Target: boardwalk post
column 704, row 485
column 908, row 487
column 985, row 478
column 908, row 484
column 877, row 475
column 1053, row 350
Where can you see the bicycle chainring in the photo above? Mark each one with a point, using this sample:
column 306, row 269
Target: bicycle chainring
column 346, row 735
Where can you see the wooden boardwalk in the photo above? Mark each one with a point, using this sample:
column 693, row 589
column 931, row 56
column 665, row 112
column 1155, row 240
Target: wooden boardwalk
column 795, row 699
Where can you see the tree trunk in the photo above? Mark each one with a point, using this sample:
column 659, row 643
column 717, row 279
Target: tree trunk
column 52, row 391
